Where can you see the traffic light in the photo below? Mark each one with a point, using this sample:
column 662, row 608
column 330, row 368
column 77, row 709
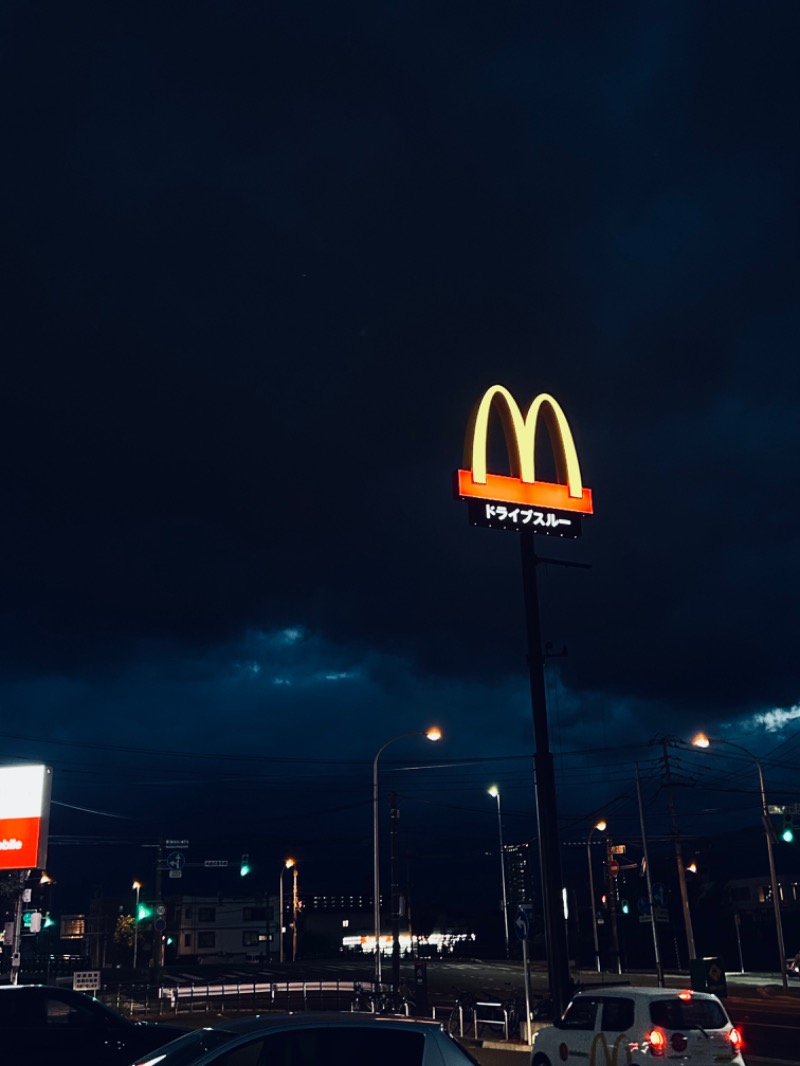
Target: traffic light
column 787, row 831
column 144, row 912
column 31, row 921
column 626, row 909
column 244, row 869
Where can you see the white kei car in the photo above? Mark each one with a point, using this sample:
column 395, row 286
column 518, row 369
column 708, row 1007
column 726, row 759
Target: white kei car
column 624, row 1026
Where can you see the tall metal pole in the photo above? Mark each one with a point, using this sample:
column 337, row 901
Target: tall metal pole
column 295, row 908
column 546, row 808
column 687, row 916
column 600, row 826
column 287, row 865
column 138, row 887
column 659, row 967
column 431, row 734
column 495, row 791
column 16, row 947
column 395, row 916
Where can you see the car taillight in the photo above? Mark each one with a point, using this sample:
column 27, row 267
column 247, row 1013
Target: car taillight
column 679, row 1042
column 736, row 1039
column 657, row 1041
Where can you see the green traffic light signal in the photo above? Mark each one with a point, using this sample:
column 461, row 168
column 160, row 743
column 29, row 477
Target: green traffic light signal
column 244, row 869
column 788, row 834
column 625, row 907
column 144, row 912
column 26, row 920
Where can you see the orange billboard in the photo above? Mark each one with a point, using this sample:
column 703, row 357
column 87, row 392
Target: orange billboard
column 543, row 505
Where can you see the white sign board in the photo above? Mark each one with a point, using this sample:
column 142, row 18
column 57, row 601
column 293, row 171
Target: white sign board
column 86, row 980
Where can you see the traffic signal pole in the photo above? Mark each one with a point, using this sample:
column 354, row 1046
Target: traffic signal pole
column 546, row 808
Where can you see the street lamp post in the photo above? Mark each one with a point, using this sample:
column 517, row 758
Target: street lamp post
column 137, row 885
column 287, row 865
column 702, row 741
column 495, row 791
column 431, row 734
column 601, row 828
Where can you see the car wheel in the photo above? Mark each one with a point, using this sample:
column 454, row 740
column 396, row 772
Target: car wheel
column 540, row 1060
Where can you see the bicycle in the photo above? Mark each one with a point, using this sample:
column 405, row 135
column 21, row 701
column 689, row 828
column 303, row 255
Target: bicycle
column 463, row 1013
column 394, row 1001
column 362, row 1001
column 513, row 1019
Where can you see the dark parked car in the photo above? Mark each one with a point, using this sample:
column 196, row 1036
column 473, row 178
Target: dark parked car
column 314, row 1039
column 40, row 1025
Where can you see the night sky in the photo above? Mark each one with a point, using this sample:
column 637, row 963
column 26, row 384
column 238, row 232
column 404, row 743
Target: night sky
column 259, row 262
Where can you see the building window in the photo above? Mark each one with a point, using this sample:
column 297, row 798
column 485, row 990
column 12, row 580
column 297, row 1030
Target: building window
column 187, row 912
column 250, row 938
column 73, row 927
column 205, row 940
column 254, row 914
column 206, row 914
column 187, row 940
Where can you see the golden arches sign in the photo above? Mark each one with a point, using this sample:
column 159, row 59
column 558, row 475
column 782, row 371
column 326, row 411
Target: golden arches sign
column 611, row 1056
column 568, row 494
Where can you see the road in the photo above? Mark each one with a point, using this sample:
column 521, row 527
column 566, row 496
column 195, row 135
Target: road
column 770, row 1019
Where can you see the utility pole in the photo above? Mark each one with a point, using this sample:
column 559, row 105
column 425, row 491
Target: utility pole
column 395, row 897
column 648, row 875
column 676, row 836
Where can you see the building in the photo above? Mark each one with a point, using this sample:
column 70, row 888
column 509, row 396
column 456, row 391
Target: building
column 210, row 928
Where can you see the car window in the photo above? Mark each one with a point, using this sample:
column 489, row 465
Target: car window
column 618, row 1015
column 59, row 1013
column 680, row 1013
column 187, row 1049
column 580, row 1014
column 343, row 1047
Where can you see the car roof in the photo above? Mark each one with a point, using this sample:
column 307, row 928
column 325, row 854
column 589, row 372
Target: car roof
column 642, row 992
column 321, row 1019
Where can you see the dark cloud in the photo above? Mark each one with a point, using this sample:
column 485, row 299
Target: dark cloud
column 257, row 267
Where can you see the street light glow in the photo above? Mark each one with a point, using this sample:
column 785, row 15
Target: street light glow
column 601, row 826
column 494, row 791
column 701, row 741
column 434, row 733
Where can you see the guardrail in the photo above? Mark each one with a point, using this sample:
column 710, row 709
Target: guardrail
column 273, row 994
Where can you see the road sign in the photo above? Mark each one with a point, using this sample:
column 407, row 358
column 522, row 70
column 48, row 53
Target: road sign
column 86, row 980
column 161, row 910
column 215, row 862
column 176, row 860
column 160, row 924
column 522, row 923
column 176, row 873
column 176, row 843
column 613, row 867
column 659, row 895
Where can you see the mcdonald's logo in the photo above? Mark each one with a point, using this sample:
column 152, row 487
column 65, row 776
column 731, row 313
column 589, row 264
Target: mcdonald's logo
column 521, row 487
column 611, row 1056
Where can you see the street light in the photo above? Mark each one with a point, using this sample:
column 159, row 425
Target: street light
column 601, row 828
column 432, row 734
column 137, row 886
column 702, row 741
column 287, row 865
column 495, row 791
